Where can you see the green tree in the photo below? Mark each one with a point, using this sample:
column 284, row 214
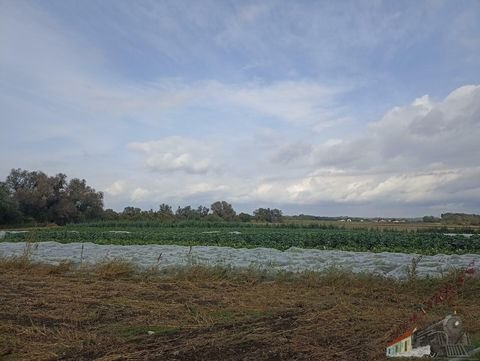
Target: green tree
column 52, row 199
column 185, row 213
column 32, row 193
column 202, row 211
column 131, row 213
column 430, row 219
column 223, row 210
column 110, row 215
column 9, row 212
column 78, row 202
column 268, row 215
column 165, row 211
column 244, row 217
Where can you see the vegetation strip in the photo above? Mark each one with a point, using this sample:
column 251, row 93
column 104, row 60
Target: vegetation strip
column 252, row 236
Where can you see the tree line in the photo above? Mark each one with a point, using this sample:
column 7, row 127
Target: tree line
column 28, row 197
column 460, row 218
column 218, row 211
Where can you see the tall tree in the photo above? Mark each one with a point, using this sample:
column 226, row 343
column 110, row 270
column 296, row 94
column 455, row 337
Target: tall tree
column 223, row 210
column 268, row 215
column 52, row 199
column 165, row 211
column 185, row 213
column 85, row 202
column 202, row 211
column 32, row 193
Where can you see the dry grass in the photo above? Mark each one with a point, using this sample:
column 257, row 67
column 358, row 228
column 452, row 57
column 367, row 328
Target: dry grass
column 106, row 313
column 113, row 269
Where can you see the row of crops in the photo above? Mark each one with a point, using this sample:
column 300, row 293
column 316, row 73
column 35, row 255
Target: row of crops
column 280, row 238
column 414, row 227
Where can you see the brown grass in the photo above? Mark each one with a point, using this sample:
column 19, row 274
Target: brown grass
column 113, row 269
column 106, row 313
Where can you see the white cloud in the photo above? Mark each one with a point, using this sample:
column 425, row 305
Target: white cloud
column 205, row 187
column 356, row 188
column 177, row 154
column 423, row 152
column 422, row 135
column 139, row 194
column 414, row 155
column 116, row 188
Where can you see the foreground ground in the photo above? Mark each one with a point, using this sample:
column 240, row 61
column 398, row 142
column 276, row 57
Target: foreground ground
column 106, row 313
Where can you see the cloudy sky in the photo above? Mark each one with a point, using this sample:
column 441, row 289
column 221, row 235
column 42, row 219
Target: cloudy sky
column 322, row 107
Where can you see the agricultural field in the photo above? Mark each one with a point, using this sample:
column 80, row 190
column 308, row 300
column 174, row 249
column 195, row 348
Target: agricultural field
column 395, row 226
column 239, row 235
column 110, row 309
column 113, row 310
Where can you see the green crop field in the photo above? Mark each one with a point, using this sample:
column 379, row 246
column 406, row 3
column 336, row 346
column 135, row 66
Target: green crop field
column 241, row 235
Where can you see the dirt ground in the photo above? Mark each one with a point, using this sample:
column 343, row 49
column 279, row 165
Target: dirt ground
column 112, row 313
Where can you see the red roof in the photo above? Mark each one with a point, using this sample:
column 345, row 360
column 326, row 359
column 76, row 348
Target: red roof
column 402, row 337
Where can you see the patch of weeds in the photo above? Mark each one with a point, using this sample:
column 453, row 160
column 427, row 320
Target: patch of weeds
column 201, row 272
column 114, row 269
column 412, row 269
column 153, row 270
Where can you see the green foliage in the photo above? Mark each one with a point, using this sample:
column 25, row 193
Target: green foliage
column 165, row 211
column 430, row 219
column 223, row 210
column 268, row 215
column 461, row 218
column 189, row 213
column 245, row 235
column 37, row 196
column 9, row 212
column 244, row 217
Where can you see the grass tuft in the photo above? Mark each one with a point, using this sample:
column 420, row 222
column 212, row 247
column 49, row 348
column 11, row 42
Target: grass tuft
column 116, row 268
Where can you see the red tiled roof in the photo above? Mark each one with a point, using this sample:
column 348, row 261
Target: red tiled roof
column 402, row 337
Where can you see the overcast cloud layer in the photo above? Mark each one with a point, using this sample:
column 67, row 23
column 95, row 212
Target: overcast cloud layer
column 329, row 108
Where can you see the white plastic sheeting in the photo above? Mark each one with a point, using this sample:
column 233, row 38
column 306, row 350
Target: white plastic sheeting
column 294, row 259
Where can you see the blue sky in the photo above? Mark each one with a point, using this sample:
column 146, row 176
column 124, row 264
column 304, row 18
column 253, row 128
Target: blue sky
column 329, row 107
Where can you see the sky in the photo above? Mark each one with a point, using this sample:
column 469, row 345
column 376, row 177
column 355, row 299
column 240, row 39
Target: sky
column 360, row 108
